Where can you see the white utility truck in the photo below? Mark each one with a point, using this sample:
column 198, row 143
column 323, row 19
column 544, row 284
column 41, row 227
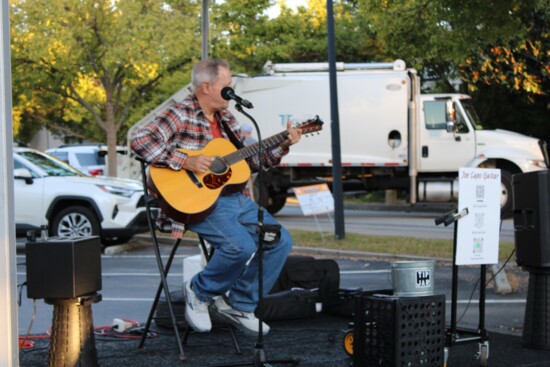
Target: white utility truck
column 391, row 135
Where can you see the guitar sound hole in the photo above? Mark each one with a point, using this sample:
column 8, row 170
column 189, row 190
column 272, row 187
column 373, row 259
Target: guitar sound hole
column 219, row 167
column 213, row 181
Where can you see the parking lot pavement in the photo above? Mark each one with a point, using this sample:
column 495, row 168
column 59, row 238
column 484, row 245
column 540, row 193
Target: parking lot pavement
column 130, row 279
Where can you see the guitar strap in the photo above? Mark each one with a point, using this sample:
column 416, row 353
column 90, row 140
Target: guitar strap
column 232, row 137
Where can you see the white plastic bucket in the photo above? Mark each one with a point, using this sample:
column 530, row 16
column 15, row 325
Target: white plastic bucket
column 413, row 278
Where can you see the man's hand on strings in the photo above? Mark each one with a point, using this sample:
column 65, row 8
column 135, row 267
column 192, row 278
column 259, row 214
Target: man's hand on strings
column 198, row 163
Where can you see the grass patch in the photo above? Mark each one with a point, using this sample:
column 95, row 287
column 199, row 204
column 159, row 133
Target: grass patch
column 438, row 248
column 394, row 245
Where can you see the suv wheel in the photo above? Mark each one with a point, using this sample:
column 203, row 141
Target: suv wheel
column 75, row 221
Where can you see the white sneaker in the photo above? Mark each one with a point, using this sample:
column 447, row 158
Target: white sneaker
column 247, row 322
column 196, row 311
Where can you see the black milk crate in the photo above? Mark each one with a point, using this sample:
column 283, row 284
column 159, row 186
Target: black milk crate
column 398, row 331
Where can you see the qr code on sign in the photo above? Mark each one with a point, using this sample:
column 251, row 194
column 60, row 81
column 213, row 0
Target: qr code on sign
column 480, row 192
column 478, row 246
column 479, row 219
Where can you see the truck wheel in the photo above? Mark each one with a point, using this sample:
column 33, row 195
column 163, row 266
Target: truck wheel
column 506, row 207
column 75, row 221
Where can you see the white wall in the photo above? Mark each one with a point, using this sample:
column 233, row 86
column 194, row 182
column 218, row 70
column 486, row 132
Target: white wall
column 43, row 140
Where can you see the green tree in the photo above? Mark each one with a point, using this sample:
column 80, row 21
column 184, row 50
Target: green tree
column 499, row 49
column 510, row 80
column 92, row 61
column 239, row 31
column 245, row 35
column 520, row 62
column 435, row 36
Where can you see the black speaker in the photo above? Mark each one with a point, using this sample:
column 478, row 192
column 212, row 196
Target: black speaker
column 63, row 268
column 531, row 200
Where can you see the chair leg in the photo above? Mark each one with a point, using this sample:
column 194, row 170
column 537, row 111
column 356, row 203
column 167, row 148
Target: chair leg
column 157, row 296
column 235, row 341
column 163, row 286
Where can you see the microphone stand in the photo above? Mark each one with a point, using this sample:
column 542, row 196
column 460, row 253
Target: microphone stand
column 260, row 358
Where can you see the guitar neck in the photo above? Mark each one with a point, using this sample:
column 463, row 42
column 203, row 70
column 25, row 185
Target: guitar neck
column 251, row 150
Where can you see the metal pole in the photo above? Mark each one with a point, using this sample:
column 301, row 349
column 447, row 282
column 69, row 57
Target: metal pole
column 205, row 29
column 9, row 355
column 339, row 230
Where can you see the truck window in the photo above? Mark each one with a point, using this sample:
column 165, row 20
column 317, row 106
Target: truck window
column 461, row 124
column 434, row 115
column 471, row 113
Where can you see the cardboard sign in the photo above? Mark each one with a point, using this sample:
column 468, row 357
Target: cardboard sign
column 315, row 199
column 478, row 232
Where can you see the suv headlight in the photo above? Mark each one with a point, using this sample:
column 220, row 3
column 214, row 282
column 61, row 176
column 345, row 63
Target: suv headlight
column 117, row 190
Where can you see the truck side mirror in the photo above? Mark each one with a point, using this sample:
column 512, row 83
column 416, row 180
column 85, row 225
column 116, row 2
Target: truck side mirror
column 453, row 129
column 450, row 126
column 450, row 112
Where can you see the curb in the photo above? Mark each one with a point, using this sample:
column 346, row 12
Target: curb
column 502, row 285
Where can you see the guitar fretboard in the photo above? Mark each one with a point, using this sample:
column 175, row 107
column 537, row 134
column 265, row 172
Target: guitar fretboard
column 251, row 150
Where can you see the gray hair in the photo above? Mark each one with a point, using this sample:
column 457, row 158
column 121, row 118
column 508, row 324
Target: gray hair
column 206, row 71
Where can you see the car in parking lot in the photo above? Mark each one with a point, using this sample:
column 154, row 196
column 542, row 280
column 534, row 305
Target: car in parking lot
column 50, row 192
column 87, row 158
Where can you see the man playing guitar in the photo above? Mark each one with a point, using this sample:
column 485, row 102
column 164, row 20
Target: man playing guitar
column 229, row 281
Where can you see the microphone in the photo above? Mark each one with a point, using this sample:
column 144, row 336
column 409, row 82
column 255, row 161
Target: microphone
column 228, row 93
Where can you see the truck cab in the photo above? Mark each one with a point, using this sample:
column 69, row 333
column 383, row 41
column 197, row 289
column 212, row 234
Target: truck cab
column 451, row 136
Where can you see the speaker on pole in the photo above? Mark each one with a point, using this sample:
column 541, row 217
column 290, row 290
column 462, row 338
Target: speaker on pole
column 531, row 200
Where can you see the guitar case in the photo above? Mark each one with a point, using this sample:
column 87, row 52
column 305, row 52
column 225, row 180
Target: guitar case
column 304, row 286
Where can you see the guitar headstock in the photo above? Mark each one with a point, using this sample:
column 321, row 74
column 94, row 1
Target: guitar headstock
column 311, row 125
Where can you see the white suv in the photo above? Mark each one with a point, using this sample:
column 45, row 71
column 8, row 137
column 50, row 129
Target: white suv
column 88, row 159
column 50, row 192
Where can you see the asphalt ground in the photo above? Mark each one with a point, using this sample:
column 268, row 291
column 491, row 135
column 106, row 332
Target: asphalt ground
column 130, row 278
column 315, row 342
column 129, row 283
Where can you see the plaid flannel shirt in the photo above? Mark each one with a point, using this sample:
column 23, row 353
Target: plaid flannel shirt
column 184, row 125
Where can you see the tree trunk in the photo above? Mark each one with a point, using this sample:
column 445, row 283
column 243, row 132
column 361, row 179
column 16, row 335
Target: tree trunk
column 111, row 134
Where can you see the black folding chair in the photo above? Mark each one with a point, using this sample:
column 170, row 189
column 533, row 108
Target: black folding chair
column 164, row 269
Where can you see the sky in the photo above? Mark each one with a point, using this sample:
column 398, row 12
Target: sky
column 274, row 11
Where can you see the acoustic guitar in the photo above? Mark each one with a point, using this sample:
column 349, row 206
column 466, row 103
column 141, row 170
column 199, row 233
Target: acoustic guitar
column 188, row 197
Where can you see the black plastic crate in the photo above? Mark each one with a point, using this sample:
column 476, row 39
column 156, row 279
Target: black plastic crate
column 398, row 331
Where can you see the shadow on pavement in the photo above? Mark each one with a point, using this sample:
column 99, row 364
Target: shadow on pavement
column 315, row 342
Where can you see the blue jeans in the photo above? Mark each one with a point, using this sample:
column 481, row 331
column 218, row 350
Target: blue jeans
column 231, row 231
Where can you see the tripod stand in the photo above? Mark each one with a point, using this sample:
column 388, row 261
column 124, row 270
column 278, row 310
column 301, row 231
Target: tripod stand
column 455, row 335
column 266, row 233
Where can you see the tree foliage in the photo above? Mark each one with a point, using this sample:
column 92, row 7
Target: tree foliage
column 243, row 33
column 91, row 68
column 87, row 63
column 435, row 36
column 498, row 49
column 521, row 63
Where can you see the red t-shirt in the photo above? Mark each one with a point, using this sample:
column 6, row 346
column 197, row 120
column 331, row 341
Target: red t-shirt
column 215, row 127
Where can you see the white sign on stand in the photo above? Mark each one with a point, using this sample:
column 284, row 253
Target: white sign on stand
column 478, row 232
column 315, row 199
